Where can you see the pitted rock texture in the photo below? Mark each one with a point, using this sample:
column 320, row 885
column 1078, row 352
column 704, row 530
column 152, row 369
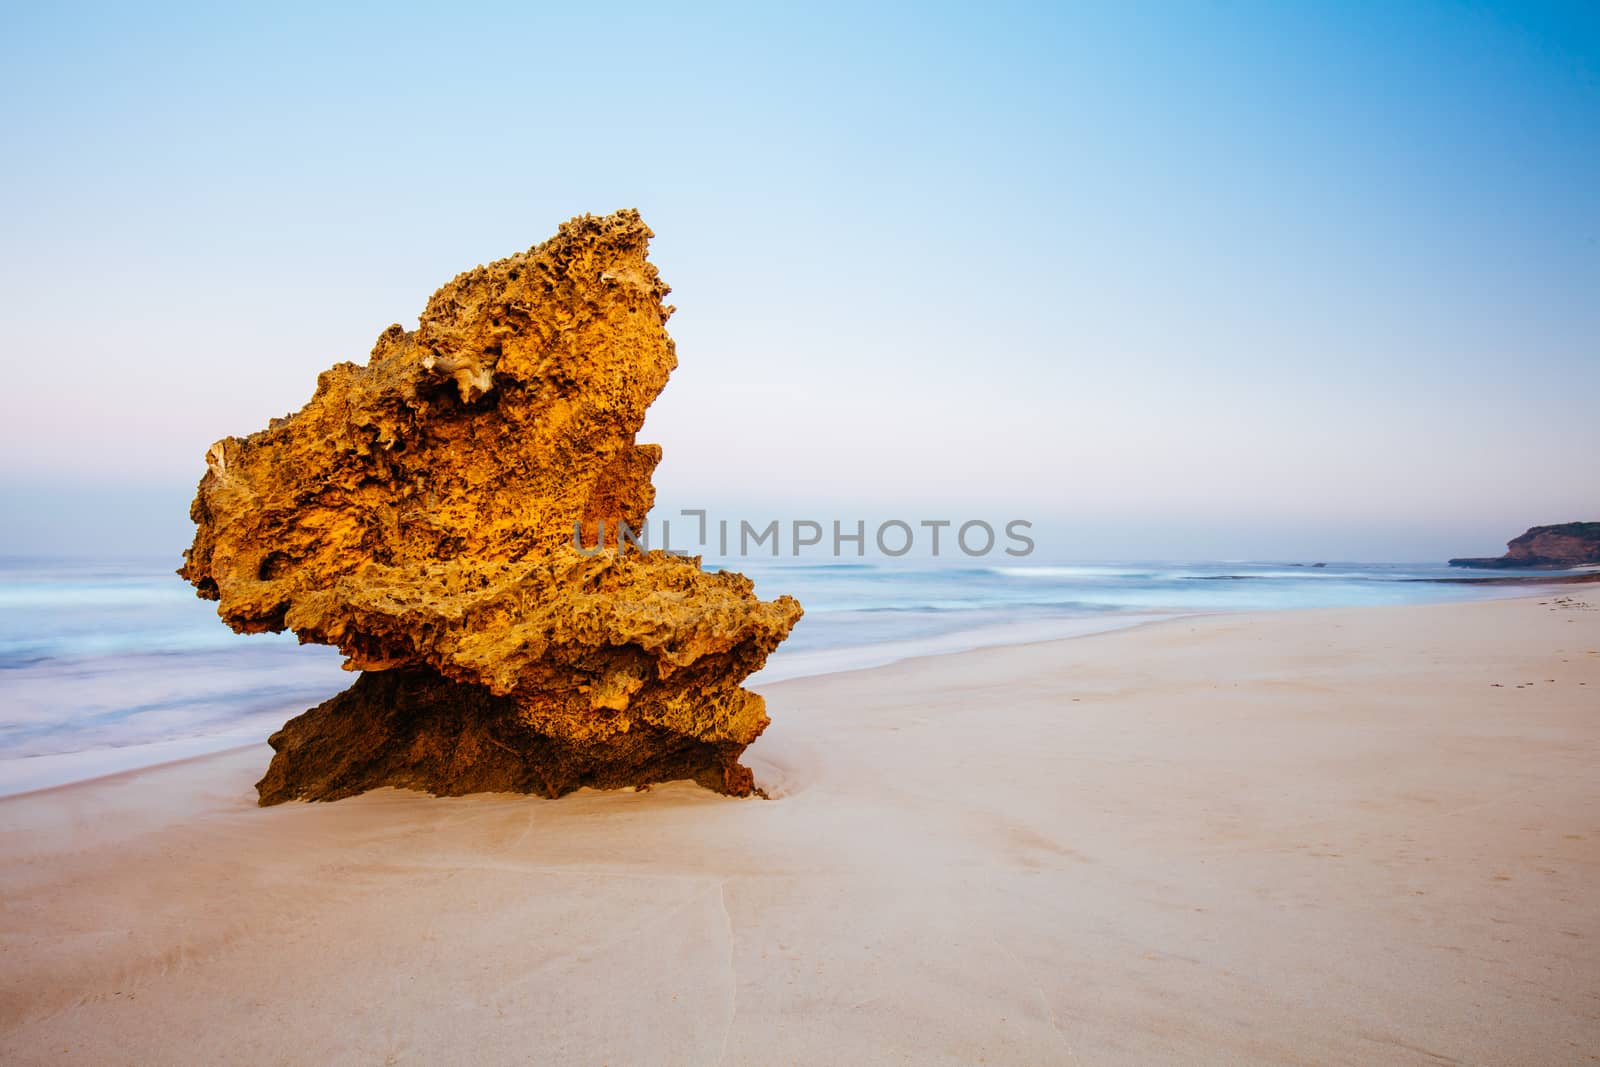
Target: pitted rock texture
column 418, row 514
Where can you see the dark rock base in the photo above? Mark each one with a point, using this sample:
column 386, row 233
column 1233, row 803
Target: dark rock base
column 413, row 729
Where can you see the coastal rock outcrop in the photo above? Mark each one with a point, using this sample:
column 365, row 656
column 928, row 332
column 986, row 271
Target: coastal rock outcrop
column 1569, row 544
column 418, row 514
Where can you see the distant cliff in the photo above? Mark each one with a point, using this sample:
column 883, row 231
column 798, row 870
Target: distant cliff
column 1569, row 544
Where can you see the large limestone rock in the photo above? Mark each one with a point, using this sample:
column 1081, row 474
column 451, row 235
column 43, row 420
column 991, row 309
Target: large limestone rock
column 418, row 514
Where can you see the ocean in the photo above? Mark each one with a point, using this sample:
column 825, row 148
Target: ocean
column 109, row 666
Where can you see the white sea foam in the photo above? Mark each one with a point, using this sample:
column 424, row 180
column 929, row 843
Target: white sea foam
column 1061, row 571
column 803, row 664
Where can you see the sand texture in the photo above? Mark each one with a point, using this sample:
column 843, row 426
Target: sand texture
column 1355, row 836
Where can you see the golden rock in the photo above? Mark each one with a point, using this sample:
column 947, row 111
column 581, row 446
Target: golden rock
column 418, row 514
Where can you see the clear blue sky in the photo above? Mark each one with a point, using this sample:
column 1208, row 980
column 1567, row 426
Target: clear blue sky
column 1224, row 279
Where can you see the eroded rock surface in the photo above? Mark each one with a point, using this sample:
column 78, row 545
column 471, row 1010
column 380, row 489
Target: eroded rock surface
column 418, row 515
column 1568, row 544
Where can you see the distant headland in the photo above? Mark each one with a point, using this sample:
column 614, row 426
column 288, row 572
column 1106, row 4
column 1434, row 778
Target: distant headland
column 1569, row 544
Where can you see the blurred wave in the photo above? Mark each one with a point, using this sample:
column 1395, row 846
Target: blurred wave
column 109, row 665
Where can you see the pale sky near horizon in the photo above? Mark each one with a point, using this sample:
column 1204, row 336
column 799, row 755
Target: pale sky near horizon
column 1209, row 280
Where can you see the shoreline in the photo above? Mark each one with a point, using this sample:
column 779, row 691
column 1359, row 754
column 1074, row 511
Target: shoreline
column 1514, row 579
column 1331, row 835
column 870, row 655
column 78, row 711
column 51, row 768
column 128, row 772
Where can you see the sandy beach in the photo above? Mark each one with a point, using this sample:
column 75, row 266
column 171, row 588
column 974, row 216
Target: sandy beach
column 1360, row 835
